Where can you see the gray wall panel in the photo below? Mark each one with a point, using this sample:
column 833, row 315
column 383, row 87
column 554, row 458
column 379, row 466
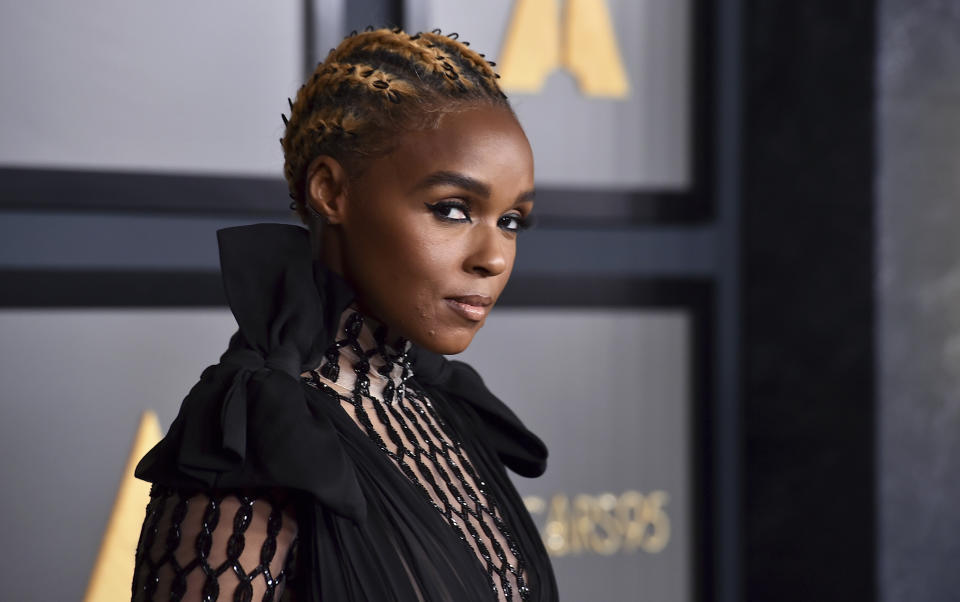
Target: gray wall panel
column 75, row 383
column 918, row 291
column 174, row 86
column 609, row 391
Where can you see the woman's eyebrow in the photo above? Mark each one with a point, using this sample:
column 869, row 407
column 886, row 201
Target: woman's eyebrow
column 454, row 178
column 526, row 196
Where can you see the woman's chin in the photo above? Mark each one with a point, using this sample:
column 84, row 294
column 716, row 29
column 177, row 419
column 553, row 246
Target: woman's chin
column 446, row 343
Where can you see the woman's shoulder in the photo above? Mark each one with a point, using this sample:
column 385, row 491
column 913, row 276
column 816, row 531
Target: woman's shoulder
column 248, row 422
column 517, row 446
column 242, row 428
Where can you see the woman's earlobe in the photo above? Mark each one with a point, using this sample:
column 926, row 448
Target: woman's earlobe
column 317, row 215
column 326, row 184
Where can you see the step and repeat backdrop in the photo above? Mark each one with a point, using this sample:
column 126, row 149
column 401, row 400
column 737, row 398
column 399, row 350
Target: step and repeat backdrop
column 609, row 390
column 608, row 371
column 602, row 87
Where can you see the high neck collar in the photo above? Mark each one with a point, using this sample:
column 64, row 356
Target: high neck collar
column 366, row 357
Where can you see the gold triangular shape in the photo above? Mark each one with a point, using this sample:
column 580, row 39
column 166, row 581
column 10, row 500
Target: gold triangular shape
column 531, row 48
column 113, row 572
column 590, row 49
column 583, row 41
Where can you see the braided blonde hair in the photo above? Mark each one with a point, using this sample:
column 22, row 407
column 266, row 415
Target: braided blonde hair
column 374, row 85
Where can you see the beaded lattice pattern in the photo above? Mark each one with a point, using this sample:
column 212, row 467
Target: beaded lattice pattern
column 176, row 555
column 403, row 422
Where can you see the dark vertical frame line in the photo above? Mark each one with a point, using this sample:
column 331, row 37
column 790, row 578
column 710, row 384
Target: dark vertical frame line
column 807, row 266
column 725, row 576
column 309, row 37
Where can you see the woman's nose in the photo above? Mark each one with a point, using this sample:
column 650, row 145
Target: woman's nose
column 488, row 253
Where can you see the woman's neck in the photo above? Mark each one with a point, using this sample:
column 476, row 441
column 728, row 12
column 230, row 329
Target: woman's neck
column 366, row 357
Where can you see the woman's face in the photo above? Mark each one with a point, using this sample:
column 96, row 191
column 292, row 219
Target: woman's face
column 428, row 235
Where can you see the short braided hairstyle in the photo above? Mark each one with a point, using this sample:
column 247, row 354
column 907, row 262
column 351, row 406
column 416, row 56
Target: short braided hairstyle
column 373, row 86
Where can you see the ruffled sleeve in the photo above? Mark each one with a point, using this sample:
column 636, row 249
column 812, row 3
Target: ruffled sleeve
column 516, row 446
column 249, row 422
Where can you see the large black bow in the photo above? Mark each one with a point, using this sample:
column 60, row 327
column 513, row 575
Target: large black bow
column 250, row 422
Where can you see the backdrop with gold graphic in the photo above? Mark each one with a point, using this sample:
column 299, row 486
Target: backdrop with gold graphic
column 610, row 392
column 108, row 262
column 602, row 87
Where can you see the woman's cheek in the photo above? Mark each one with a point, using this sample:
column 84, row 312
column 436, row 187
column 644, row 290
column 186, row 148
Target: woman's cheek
column 426, row 313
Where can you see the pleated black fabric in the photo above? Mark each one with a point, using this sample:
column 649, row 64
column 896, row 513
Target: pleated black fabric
column 366, row 532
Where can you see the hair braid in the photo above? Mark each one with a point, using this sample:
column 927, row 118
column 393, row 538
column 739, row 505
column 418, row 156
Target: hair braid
column 371, row 87
column 460, row 51
column 385, row 39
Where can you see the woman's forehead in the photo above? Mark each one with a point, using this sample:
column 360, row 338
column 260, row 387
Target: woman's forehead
column 482, row 148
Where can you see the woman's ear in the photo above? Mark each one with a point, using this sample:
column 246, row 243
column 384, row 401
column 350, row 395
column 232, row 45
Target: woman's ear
column 326, row 188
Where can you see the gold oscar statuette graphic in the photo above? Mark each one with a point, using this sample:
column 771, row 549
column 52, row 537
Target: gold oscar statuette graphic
column 583, row 42
column 113, row 572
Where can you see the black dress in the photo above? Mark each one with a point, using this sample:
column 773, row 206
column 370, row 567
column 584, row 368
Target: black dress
column 390, row 458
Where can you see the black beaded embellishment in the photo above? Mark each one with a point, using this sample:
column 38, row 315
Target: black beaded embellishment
column 150, row 562
column 409, row 406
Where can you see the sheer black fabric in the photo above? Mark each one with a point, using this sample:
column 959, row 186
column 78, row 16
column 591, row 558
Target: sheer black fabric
column 215, row 545
column 367, row 528
column 404, row 424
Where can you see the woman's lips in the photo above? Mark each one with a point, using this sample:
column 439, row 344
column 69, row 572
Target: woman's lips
column 471, row 307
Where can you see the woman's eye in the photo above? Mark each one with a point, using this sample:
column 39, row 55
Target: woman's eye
column 514, row 222
column 455, row 212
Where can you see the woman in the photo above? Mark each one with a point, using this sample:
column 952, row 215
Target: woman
column 334, row 453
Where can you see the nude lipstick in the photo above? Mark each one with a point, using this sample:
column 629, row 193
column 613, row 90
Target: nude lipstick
column 471, row 307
